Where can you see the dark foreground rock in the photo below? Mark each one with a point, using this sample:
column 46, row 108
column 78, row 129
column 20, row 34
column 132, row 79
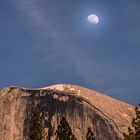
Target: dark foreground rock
column 108, row 118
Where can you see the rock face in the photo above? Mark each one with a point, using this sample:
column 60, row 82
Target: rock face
column 108, row 118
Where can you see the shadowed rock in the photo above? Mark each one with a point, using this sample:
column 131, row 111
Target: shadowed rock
column 83, row 108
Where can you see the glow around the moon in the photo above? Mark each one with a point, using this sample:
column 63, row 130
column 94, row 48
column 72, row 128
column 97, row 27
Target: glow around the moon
column 93, row 19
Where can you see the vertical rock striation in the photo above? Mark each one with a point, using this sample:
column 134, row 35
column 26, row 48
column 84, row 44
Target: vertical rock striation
column 83, row 108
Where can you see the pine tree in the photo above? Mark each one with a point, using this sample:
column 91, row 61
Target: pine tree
column 36, row 129
column 64, row 131
column 90, row 135
column 134, row 133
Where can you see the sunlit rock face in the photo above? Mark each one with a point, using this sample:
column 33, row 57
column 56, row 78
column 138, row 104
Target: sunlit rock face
column 83, row 108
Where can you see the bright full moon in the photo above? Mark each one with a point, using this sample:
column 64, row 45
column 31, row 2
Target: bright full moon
column 93, row 19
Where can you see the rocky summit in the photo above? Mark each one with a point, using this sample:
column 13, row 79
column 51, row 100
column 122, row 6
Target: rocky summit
column 83, row 108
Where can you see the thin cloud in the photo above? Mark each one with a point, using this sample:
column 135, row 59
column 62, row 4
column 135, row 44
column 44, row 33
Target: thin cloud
column 42, row 26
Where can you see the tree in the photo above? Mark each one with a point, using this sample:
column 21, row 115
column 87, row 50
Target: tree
column 36, row 129
column 134, row 132
column 64, row 131
column 90, row 135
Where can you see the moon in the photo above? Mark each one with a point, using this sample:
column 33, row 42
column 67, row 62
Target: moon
column 93, row 19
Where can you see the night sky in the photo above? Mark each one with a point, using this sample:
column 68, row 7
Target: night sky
column 46, row 42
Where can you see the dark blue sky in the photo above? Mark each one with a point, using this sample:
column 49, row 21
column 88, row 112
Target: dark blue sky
column 45, row 42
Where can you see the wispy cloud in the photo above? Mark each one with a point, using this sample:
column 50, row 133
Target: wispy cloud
column 35, row 18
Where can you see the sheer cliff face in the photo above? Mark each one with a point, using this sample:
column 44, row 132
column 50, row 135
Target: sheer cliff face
column 83, row 108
